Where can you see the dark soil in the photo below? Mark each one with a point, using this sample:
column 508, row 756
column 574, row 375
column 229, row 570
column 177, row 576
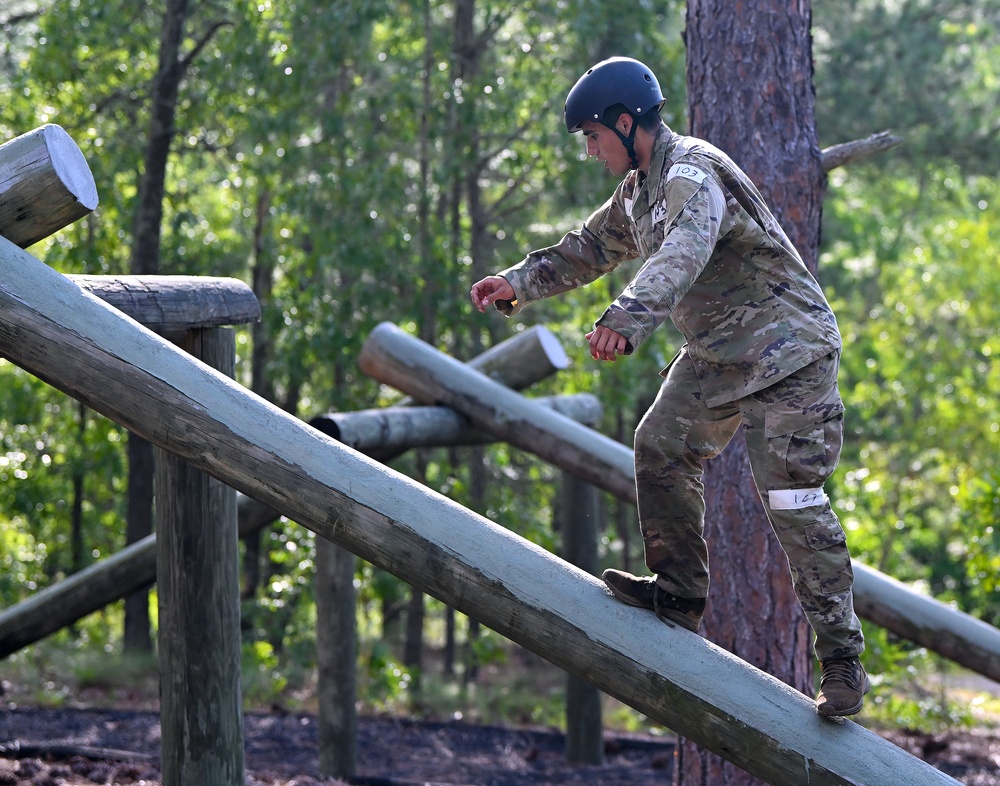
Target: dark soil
column 74, row 747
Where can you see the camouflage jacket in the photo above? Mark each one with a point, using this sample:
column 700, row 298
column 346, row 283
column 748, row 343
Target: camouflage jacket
column 716, row 263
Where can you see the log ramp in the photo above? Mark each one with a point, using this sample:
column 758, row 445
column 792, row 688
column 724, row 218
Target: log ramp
column 56, row 330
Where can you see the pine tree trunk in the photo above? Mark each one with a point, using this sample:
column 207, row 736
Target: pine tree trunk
column 750, row 92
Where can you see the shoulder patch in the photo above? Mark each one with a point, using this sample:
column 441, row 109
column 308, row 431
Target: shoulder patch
column 688, row 172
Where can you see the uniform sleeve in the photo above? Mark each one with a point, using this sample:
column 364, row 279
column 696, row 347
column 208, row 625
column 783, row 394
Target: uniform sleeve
column 582, row 256
column 693, row 206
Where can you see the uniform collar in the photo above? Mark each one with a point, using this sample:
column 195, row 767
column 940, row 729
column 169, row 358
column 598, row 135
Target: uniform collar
column 663, row 146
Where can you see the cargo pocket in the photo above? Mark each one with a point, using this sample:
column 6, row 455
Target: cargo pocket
column 831, row 562
column 805, row 436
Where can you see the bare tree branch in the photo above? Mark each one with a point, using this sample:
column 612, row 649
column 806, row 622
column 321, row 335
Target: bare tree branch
column 849, row 152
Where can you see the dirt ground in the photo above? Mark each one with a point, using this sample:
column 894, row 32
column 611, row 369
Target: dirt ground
column 81, row 747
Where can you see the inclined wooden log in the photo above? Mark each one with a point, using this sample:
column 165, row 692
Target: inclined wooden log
column 173, row 305
column 525, row 358
column 926, row 621
column 413, row 366
column 392, row 356
column 45, row 185
column 53, row 329
column 84, row 592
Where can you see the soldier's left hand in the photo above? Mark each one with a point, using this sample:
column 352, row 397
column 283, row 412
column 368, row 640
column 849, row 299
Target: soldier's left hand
column 606, row 344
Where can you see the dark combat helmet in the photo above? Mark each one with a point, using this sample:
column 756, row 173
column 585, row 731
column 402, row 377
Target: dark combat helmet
column 617, row 80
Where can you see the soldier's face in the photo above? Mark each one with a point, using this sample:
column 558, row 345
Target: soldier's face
column 604, row 145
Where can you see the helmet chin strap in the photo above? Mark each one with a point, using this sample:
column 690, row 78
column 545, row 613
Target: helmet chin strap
column 628, row 142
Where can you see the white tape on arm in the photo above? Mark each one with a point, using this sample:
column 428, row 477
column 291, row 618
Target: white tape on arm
column 795, row 499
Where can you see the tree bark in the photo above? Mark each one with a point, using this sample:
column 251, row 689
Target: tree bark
column 750, row 92
column 145, row 260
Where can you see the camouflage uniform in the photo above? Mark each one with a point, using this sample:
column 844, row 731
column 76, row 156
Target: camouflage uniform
column 762, row 349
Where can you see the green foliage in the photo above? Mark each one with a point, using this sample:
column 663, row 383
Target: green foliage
column 366, row 161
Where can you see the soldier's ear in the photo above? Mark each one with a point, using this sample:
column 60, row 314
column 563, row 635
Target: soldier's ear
column 625, row 121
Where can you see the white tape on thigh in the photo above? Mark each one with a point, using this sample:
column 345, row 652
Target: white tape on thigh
column 795, row 499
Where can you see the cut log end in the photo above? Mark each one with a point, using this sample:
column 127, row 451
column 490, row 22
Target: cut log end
column 71, row 166
column 553, row 348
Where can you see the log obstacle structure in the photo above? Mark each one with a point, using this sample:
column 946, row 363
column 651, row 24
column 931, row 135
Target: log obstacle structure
column 44, row 185
column 414, row 367
column 377, row 432
column 55, row 330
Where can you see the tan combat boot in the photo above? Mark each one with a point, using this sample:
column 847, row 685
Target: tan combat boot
column 842, row 687
column 645, row 593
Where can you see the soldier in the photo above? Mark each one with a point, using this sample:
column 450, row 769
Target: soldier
column 762, row 349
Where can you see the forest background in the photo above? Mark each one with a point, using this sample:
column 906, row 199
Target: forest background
column 356, row 162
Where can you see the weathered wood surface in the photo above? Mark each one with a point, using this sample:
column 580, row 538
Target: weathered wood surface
column 398, row 359
column 198, row 598
column 85, row 348
column 45, row 185
column 173, row 305
column 392, row 356
column 390, row 430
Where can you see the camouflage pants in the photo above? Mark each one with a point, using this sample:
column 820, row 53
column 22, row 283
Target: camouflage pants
column 794, row 432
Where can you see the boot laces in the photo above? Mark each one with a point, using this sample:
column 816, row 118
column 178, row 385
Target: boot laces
column 839, row 671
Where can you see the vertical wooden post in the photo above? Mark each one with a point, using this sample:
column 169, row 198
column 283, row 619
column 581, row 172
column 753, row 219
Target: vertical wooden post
column 580, row 532
column 336, row 657
column 201, row 717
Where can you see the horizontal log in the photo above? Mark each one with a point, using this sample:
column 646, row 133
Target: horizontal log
column 85, row 348
column 173, row 305
column 388, row 431
column 45, row 185
column 413, row 366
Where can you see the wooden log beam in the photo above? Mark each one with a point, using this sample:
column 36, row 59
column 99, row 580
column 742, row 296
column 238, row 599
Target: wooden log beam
column 134, row 567
column 85, row 348
column 390, row 355
column 396, row 358
column 926, row 621
column 388, row 431
column 84, row 592
column 173, row 305
column 45, row 185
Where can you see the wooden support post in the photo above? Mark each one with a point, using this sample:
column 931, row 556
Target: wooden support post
column 336, row 647
column 45, row 185
column 580, row 518
column 85, row 348
column 395, row 358
column 198, row 592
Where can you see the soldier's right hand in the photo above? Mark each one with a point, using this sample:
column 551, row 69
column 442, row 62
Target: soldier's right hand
column 490, row 290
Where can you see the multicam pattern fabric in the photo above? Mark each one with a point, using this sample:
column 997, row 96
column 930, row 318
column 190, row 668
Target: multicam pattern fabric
column 716, row 263
column 794, row 432
column 762, row 350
